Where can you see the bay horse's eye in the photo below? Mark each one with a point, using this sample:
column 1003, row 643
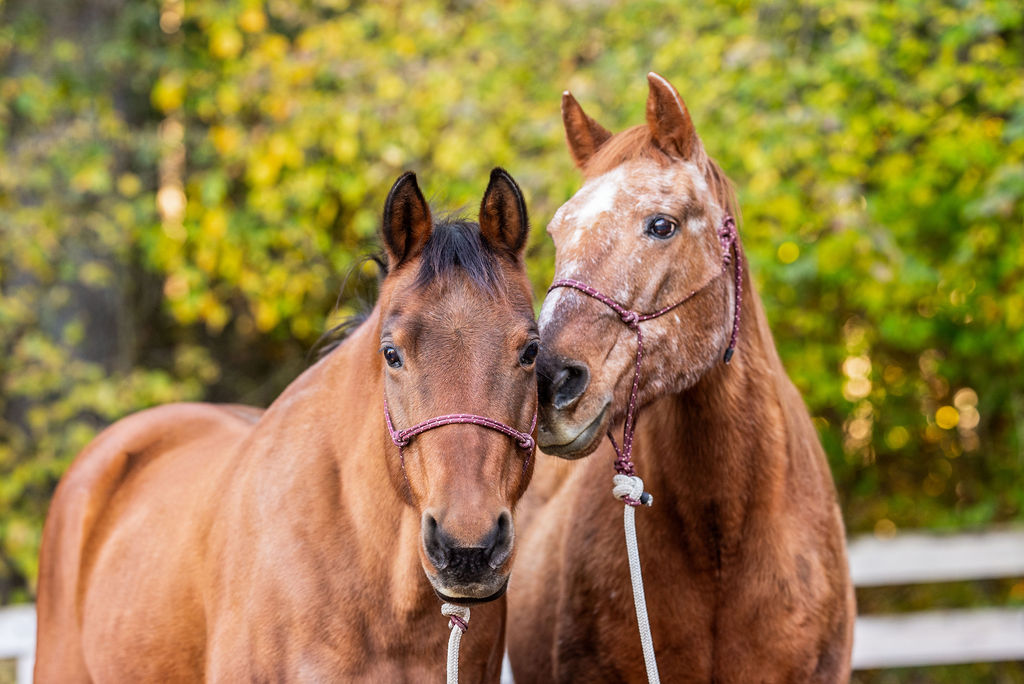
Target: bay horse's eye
column 392, row 356
column 529, row 355
column 661, row 227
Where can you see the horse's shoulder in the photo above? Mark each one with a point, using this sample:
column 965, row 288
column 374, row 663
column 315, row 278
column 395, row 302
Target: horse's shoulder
column 134, row 440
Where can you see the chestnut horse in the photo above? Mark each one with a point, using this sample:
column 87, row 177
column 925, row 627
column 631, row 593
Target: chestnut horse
column 197, row 542
column 743, row 551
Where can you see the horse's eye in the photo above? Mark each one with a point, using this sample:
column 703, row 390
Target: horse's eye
column 529, row 355
column 392, row 356
column 661, row 227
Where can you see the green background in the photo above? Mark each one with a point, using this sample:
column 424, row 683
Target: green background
column 878, row 151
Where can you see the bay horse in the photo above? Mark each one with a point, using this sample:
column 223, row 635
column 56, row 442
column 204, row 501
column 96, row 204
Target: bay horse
column 743, row 550
column 197, row 542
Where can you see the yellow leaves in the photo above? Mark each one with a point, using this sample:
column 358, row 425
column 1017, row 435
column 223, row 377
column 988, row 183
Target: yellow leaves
column 946, row 417
column 252, row 20
column 266, row 315
column 129, row 185
column 225, row 42
column 92, row 177
column 226, row 139
column 214, row 224
column 345, row 148
column 229, row 99
column 390, row 87
column 404, row 45
column 788, row 252
column 213, row 312
column 168, row 93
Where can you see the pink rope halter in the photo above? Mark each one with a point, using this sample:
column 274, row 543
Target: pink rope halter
column 729, row 239
column 401, row 438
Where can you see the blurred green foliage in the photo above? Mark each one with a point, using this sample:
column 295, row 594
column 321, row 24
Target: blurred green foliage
column 183, row 188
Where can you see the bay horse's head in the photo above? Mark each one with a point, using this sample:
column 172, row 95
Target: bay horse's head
column 644, row 230
column 458, row 336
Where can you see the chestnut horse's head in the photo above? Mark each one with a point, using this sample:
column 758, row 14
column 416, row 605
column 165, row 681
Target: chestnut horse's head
column 458, row 336
column 643, row 229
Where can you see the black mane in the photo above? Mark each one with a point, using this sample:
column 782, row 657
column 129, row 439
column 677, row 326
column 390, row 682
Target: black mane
column 457, row 243
column 453, row 243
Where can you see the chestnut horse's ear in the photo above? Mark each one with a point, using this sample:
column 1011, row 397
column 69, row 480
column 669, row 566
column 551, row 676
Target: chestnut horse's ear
column 583, row 134
column 407, row 222
column 503, row 222
column 669, row 120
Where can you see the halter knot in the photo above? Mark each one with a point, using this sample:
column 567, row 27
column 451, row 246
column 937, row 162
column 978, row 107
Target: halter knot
column 629, row 489
column 630, row 318
column 458, row 616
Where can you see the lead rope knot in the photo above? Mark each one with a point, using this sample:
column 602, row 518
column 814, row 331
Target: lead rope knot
column 629, row 489
column 458, row 621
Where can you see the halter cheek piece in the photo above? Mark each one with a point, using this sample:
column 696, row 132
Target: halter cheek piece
column 729, row 240
column 401, row 438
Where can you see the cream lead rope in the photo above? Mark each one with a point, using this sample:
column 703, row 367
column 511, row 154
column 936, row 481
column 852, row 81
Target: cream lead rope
column 459, row 622
column 625, row 488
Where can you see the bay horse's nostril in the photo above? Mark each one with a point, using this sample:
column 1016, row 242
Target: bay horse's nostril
column 434, row 544
column 465, row 563
column 501, row 547
column 568, row 384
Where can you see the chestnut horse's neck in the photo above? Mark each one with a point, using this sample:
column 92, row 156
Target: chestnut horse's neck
column 717, row 455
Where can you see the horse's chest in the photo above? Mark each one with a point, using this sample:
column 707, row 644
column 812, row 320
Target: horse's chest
column 715, row 613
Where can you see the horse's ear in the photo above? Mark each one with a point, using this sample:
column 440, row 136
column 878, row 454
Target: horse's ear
column 407, row 222
column 669, row 120
column 503, row 222
column 583, row 134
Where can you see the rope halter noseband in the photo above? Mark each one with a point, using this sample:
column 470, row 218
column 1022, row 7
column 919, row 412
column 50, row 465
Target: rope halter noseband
column 458, row 616
column 627, row 486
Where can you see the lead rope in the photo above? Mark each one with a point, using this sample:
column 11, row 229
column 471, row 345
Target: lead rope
column 626, row 486
column 458, row 620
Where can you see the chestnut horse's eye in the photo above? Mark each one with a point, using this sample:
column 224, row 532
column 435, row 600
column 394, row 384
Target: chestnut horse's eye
column 529, row 355
column 392, row 356
column 661, row 227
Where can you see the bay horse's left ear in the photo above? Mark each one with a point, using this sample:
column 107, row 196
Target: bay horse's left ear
column 669, row 120
column 503, row 222
column 407, row 222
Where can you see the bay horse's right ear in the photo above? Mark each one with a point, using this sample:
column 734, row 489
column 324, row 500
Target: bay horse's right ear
column 583, row 134
column 503, row 222
column 407, row 222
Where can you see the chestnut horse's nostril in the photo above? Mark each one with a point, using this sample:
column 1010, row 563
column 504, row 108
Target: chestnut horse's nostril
column 566, row 383
column 434, row 544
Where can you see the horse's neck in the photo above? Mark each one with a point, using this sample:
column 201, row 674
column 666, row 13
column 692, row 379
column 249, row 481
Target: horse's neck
column 718, row 452
column 328, row 456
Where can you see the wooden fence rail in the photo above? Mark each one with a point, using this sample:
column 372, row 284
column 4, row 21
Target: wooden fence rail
column 880, row 641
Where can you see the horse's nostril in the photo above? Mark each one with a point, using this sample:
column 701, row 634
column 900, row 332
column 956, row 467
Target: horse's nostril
column 569, row 384
column 433, row 544
column 501, row 547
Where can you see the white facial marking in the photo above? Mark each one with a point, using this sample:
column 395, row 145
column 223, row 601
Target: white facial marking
column 547, row 309
column 597, row 196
